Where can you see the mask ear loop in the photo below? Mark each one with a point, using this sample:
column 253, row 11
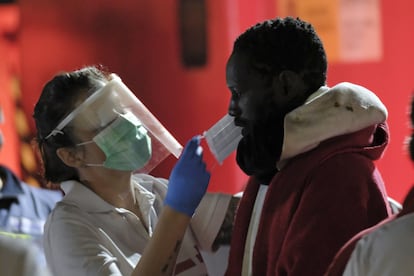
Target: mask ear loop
column 85, row 143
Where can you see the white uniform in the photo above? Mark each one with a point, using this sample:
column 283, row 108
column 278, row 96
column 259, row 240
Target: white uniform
column 387, row 251
column 85, row 235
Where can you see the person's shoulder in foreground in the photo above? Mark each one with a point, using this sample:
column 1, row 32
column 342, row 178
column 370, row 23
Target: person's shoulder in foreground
column 20, row 257
column 389, row 250
column 309, row 149
column 385, row 249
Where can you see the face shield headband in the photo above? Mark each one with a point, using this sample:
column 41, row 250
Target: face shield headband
column 112, row 99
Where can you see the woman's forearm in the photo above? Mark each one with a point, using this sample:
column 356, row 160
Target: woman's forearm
column 161, row 252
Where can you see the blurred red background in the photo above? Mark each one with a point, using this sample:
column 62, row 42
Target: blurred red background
column 140, row 40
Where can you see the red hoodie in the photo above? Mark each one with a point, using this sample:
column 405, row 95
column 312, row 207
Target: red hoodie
column 317, row 202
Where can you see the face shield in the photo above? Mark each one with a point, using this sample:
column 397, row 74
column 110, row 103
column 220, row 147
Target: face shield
column 130, row 136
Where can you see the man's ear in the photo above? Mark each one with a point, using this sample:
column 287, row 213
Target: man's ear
column 291, row 83
column 70, row 157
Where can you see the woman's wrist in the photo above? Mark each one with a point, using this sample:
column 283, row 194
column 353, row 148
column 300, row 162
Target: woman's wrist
column 172, row 214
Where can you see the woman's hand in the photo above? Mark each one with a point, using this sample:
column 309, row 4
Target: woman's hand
column 189, row 179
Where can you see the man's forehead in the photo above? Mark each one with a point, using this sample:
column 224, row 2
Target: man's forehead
column 237, row 67
column 241, row 70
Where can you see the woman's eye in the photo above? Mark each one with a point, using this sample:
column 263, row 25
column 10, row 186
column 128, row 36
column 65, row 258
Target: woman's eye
column 99, row 129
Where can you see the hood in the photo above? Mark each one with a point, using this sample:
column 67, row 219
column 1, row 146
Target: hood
column 330, row 112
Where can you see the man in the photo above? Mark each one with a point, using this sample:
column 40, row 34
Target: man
column 309, row 151
column 385, row 249
column 23, row 212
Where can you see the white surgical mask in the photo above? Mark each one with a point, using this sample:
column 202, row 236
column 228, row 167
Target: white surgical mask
column 223, row 137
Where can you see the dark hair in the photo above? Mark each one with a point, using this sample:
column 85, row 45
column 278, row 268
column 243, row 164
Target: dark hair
column 59, row 97
column 286, row 44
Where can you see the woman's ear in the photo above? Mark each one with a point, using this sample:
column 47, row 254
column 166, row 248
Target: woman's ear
column 70, row 157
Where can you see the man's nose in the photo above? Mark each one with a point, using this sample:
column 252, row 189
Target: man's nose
column 234, row 109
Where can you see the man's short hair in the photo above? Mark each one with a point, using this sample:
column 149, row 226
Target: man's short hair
column 286, row 44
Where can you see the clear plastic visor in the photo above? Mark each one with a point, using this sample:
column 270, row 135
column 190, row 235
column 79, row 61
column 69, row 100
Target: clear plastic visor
column 105, row 105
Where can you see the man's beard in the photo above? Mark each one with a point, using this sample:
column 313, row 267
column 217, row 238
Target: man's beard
column 260, row 149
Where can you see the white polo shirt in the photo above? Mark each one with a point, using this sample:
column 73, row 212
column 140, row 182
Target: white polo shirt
column 387, row 251
column 85, row 235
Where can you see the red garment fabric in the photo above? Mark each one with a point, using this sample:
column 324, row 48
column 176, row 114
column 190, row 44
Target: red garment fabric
column 337, row 267
column 317, row 202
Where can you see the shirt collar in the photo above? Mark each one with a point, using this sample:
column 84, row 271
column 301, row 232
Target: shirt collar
column 11, row 186
column 78, row 194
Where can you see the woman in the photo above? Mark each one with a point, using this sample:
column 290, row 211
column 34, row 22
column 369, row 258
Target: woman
column 92, row 137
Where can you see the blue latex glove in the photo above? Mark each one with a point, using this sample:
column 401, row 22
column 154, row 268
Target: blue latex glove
column 189, row 179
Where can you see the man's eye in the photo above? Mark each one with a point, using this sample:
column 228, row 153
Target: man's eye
column 235, row 93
